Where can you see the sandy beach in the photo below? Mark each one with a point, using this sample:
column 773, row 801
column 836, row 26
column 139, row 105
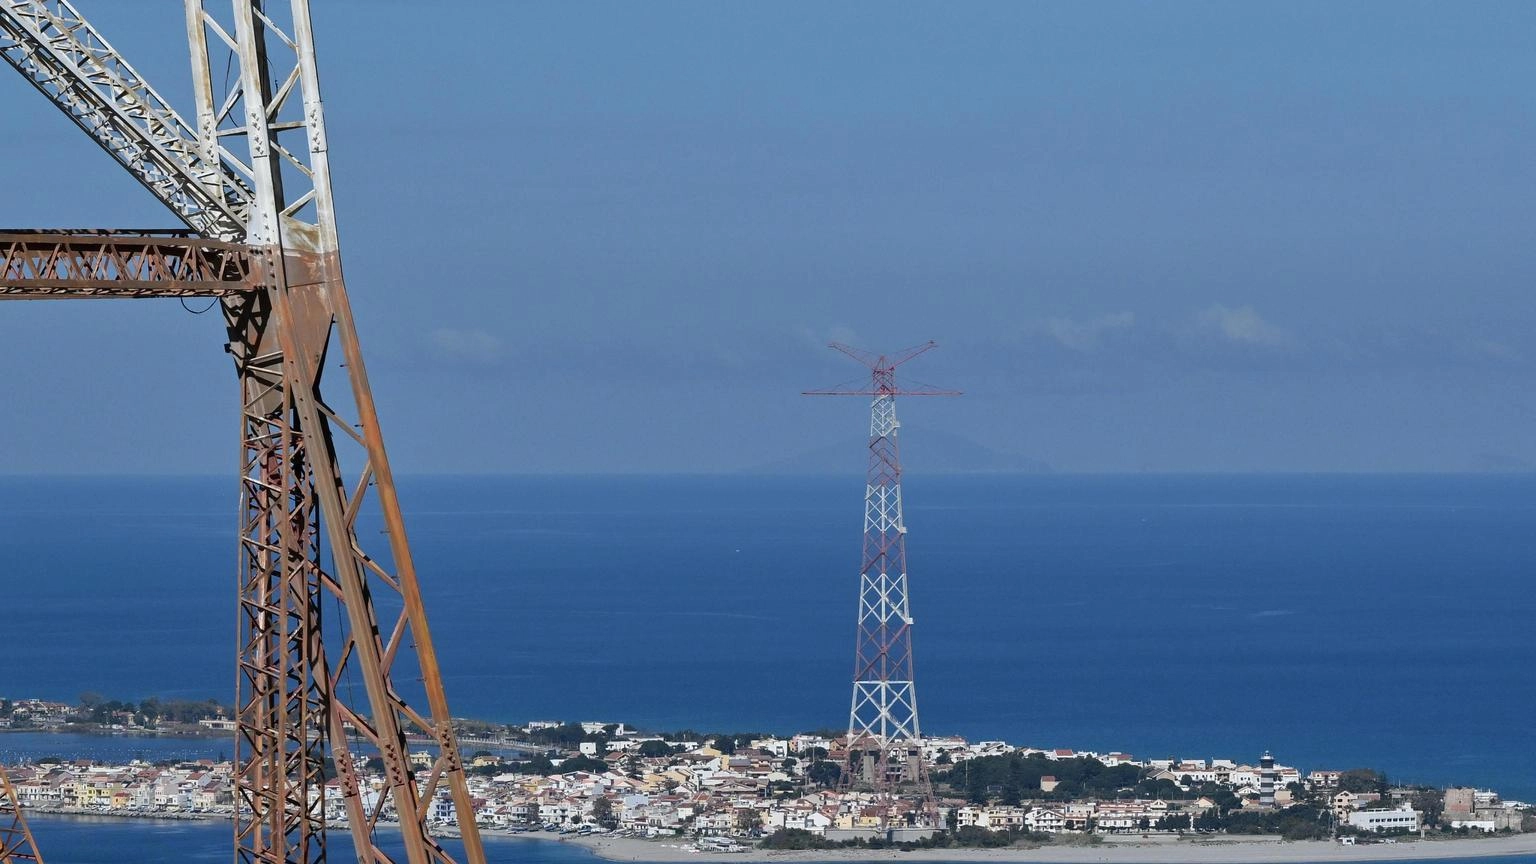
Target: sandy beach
column 1137, row 850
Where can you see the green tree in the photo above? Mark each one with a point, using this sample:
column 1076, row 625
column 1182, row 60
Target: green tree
column 971, row 835
column 1431, row 803
column 565, row 736
column 655, row 749
column 583, row 763
column 1362, row 780
column 796, row 838
column 824, row 773
column 602, row 813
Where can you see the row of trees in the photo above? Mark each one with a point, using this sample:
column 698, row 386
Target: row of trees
column 94, row 708
column 1013, row 778
column 967, row 837
column 152, row 710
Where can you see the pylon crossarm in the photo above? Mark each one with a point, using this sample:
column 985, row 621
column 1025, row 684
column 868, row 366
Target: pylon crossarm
column 68, row 264
column 63, row 56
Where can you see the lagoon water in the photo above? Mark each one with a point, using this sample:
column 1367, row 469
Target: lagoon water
column 98, row 840
column 1339, row 621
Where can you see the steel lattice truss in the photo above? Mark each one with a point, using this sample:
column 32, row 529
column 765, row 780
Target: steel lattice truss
column 68, row 264
column 329, row 624
column 884, row 737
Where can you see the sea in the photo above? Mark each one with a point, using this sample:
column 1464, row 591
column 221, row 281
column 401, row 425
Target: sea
column 106, row 840
column 1338, row 621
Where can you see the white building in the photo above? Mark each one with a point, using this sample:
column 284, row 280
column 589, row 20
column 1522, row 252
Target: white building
column 802, row 743
column 776, row 746
column 1045, row 821
column 1404, row 817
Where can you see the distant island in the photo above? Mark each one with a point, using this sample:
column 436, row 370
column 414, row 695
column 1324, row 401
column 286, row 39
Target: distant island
column 731, row 792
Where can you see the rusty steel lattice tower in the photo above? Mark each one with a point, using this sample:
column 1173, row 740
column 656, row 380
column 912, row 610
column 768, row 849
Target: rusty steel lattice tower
column 884, row 739
column 249, row 176
column 16, row 843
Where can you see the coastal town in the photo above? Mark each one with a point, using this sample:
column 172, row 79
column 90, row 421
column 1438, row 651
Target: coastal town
column 729, row 792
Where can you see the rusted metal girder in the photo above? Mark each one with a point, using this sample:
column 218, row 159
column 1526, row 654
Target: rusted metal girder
column 16, row 842
column 63, row 264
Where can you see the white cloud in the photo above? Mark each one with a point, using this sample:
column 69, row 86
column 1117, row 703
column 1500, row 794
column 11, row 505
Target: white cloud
column 817, row 339
column 1242, row 324
column 1497, row 350
column 474, row 345
column 1088, row 335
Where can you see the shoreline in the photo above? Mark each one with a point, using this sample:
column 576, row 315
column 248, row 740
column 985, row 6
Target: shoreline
column 1124, row 850
column 96, row 731
column 1139, row 850
column 32, row 810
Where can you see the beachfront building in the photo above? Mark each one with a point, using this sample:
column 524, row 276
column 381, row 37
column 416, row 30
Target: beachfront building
column 999, row 818
column 1403, row 818
column 1346, row 802
column 1045, row 820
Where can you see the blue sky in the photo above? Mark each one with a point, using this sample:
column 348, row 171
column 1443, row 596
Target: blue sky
column 614, row 236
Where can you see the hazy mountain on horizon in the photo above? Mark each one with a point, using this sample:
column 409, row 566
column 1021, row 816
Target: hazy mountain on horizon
column 929, row 451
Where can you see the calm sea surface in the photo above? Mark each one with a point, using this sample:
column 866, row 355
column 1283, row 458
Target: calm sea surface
column 88, row 840
column 1339, row 621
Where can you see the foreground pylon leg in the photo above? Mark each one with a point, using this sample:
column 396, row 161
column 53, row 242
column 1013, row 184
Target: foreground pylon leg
column 322, row 529
column 16, row 842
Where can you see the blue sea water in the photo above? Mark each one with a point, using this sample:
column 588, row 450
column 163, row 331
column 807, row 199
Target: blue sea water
column 1339, row 621
column 16, row 747
column 102, row 840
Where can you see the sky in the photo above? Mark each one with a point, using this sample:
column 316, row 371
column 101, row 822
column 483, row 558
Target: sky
column 616, row 237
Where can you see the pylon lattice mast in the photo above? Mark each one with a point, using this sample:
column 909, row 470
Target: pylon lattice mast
column 251, row 180
column 884, row 737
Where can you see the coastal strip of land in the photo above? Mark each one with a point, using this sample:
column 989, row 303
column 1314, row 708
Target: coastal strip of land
column 1119, row 850
column 1111, row 851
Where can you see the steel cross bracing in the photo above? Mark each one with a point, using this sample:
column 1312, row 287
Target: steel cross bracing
column 331, row 626
column 16, row 842
column 884, row 738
